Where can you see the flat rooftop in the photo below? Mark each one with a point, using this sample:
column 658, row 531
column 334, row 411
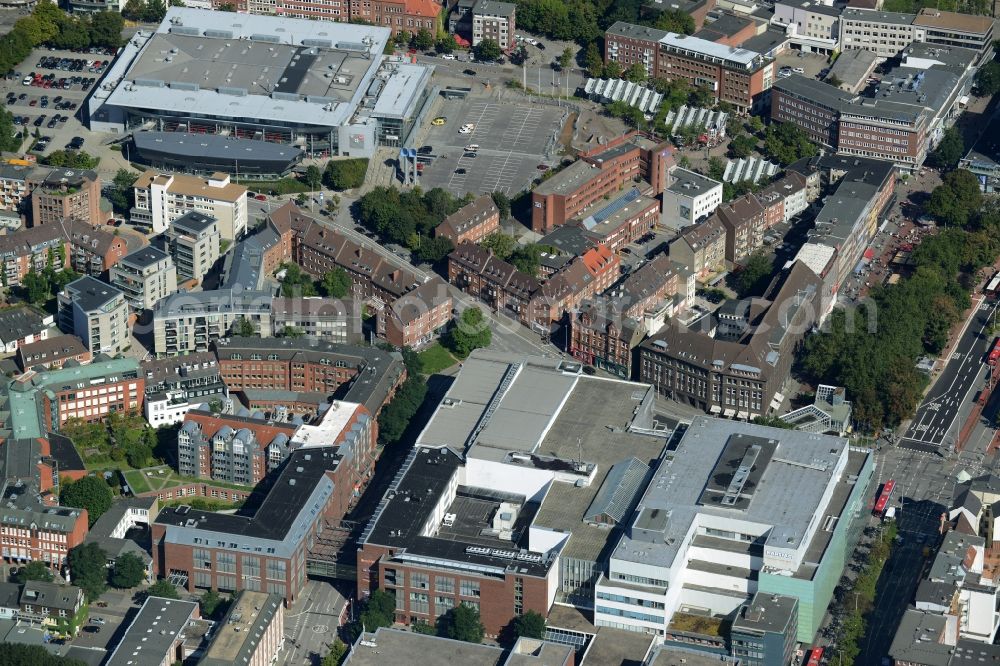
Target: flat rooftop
column 715, row 470
column 691, row 184
column 263, row 67
column 569, row 180
column 239, row 634
column 395, row 646
column 153, row 632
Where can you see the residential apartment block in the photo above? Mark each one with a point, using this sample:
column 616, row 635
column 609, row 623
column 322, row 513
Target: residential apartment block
column 300, row 366
column 494, row 20
column 97, row 313
column 701, row 248
column 160, row 647
column 27, row 250
column 471, row 223
column 16, row 183
column 193, row 241
column 235, row 449
column 93, row 250
column 145, row 276
column 53, row 352
column 49, row 603
column 735, row 361
column 162, row 198
column 23, row 325
column 745, row 220
column 631, row 160
column 418, row 317
column 737, row 76
column 67, row 194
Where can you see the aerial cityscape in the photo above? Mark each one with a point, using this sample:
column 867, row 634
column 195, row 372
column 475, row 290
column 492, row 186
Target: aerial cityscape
column 529, row 333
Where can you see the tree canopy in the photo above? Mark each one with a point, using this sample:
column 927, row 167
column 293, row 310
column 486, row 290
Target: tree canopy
column 462, row 623
column 15, row 654
column 753, row 279
column 88, row 566
column 406, row 218
column 529, row 625
column 488, row 50
column 395, row 417
column 128, row 571
column 471, row 331
column 34, row 570
column 345, row 174
column 957, row 199
column 988, row 78
column 787, row 142
column 163, row 588
column 949, row 151
column 90, row 493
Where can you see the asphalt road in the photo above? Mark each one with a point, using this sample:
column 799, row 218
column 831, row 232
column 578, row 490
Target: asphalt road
column 936, row 423
column 311, row 624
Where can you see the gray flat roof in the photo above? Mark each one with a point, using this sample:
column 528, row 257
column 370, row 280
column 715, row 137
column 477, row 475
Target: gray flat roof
column 634, row 31
column 705, row 48
column 262, row 67
column 91, row 294
column 201, row 146
column 853, row 65
column 868, row 16
column 395, row 646
column 789, row 492
column 569, row 179
column 144, row 256
column 401, row 91
column 690, row 183
column 166, row 618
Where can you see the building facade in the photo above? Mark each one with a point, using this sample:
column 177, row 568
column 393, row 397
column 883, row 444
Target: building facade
column 53, row 352
column 701, row 248
column 67, row 194
column 145, row 276
column 97, row 313
column 690, row 198
column 193, row 241
column 93, row 251
column 27, row 250
column 471, row 223
column 161, row 198
column 494, row 20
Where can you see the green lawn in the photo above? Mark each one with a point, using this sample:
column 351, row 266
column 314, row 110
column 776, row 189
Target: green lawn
column 436, row 358
column 280, row 186
column 136, row 481
column 163, row 477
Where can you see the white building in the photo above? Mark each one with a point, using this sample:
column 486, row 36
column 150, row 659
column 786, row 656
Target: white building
column 734, row 510
column 163, row 409
column 97, row 313
column 812, row 26
column 689, row 198
column 161, row 198
column 145, row 276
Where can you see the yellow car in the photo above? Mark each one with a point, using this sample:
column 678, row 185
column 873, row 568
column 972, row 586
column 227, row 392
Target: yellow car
column 440, row 120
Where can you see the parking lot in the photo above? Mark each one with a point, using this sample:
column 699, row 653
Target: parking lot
column 53, row 111
column 514, row 138
column 810, row 63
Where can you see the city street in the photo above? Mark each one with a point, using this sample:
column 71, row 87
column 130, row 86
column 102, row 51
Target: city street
column 311, row 624
column 936, row 422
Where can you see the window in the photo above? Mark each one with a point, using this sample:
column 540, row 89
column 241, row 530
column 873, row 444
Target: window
column 442, row 584
column 419, row 603
column 420, row 581
column 470, row 588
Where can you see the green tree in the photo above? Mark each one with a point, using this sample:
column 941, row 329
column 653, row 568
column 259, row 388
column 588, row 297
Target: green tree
column 529, row 625
column 612, row 70
column 227, row 7
column 756, row 124
column 988, row 79
column 163, row 588
column 742, row 146
column 519, row 55
column 592, row 58
column 674, row 20
column 121, row 194
column 128, row 571
column 244, row 328
column 445, row 44
column 471, row 331
column 212, row 604
column 949, row 151
column 433, row 250
column 488, row 50
column 462, row 623
column 395, row 417
column 88, row 566
column 10, row 134
column 716, row 168
column 154, row 11
column 34, row 570
column 755, row 276
column 527, row 258
column 379, row 610
column 787, row 142
column 636, row 72
column 13, row 654
column 292, row 332
column 957, row 200
column 423, row 40
column 345, row 174
column 36, row 287
column 336, row 283
column 774, row 422
column 90, row 493
column 502, row 244
column 566, row 58
column 313, row 177
column 337, row 653
column 502, row 202
column 106, row 29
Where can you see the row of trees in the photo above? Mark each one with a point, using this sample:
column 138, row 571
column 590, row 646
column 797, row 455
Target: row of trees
column 585, row 21
column 50, row 26
column 786, row 142
column 38, row 288
column 873, row 350
column 863, row 596
column 409, row 218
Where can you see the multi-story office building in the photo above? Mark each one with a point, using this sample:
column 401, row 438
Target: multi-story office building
column 266, row 550
column 193, row 240
column 735, row 511
column 621, row 221
column 812, row 26
column 494, row 20
column 365, row 375
column 471, row 223
column 735, row 361
column 67, row 194
column 161, row 198
column 631, row 160
column 701, row 248
column 145, row 276
column 93, row 251
column 97, row 313
column 734, row 75
column 235, row 449
column 889, row 33
column 257, row 621
column 690, row 198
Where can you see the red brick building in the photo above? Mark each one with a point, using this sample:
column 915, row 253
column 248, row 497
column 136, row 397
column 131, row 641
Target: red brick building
column 632, row 159
column 416, row 318
column 400, row 15
column 94, row 250
column 27, row 249
column 745, row 221
column 471, row 223
column 53, row 352
column 399, row 547
column 364, row 375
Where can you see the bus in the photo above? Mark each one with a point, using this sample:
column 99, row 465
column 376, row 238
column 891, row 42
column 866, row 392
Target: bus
column 815, row 656
column 992, row 286
column 883, row 499
column 994, row 355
